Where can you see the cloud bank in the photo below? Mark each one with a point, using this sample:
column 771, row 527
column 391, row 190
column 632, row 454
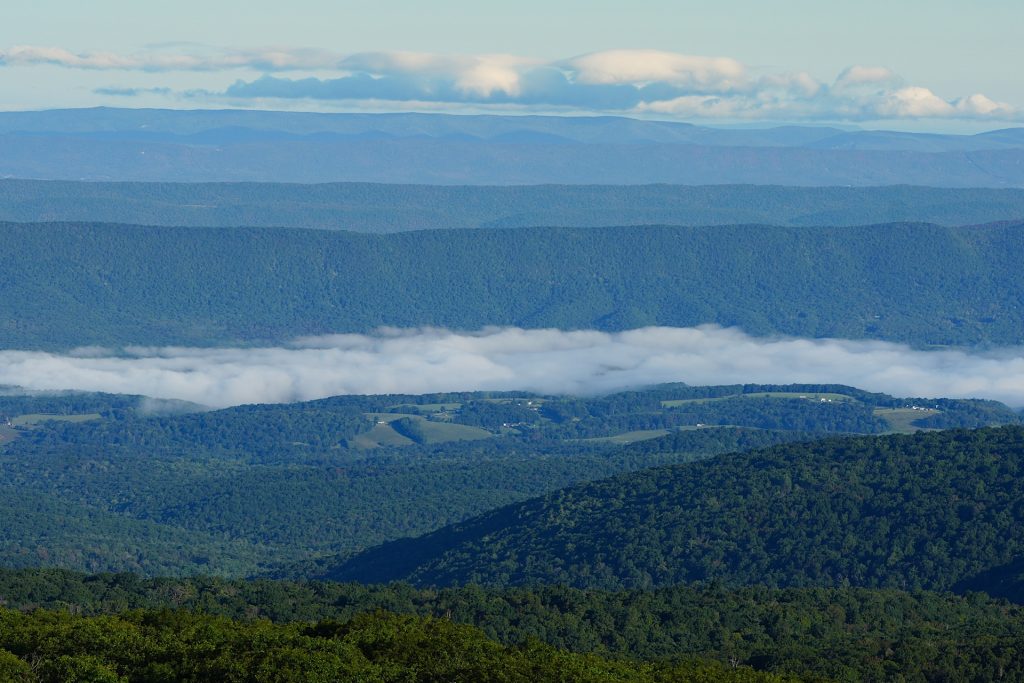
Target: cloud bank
column 626, row 81
column 634, row 81
column 545, row 361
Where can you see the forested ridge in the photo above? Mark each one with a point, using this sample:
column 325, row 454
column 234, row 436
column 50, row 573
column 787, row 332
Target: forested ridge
column 365, row 207
column 920, row 511
column 67, row 285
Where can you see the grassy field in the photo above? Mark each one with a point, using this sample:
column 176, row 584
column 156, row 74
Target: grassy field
column 443, row 432
column 527, row 400
column 630, row 437
column 382, row 434
column 762, row 394
column 901, row 419
column 391, row 417
column 427, row 407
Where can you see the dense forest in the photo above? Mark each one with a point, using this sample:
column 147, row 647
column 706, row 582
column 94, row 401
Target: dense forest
column 922, row 511
column 362, row 207
column 67, row 285
column 102, row 483
column 840, row 634
column 171, row 647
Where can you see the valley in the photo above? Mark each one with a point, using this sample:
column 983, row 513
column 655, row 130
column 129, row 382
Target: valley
column 509, row 396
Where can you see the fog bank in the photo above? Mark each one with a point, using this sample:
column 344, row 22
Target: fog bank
column 545, row 361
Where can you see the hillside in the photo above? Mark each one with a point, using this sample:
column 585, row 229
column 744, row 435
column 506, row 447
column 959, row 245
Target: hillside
column 103, row 483
column 362, row 207
column 922, row 511
column 68, row 285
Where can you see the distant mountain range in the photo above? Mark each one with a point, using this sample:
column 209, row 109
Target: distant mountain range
column 191, row 146
column 363, row 207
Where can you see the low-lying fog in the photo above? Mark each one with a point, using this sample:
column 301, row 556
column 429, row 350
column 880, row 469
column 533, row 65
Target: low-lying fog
column 546, row 361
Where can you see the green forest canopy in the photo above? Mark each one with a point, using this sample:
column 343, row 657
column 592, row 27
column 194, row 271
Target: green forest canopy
column 68, row 285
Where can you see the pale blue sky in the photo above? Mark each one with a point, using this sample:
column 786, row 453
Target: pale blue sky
column 954, row 49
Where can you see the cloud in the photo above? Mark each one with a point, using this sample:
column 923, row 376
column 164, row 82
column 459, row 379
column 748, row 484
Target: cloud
column 630, row 82
column 635, row 67
column 622, row 81
column 914, row 102
column 857, row 75
column 163, row 59
column 132, row 92
column 979, row 105
column 546, row 361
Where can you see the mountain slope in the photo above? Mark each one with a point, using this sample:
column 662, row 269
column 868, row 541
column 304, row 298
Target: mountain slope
column 67, row 285
column 919, row 511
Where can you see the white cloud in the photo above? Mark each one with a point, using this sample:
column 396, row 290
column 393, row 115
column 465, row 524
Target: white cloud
column 22, row 55
column 914, row 102
column 547, row 361
column 699, row 106
column 480, row 75
column 979, row 105
column 801, row 83
column 489, row 76
column 615, row 67
column 266, row 59
column 866, row 75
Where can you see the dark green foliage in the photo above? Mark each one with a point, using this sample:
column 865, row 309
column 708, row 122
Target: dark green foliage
column 72, row 284
column 410, row 428
column 842, row 634
column 172, row 647
column 1004, row 581
column 922, row 511
column 256, row 432
column 17, row 402
column 363, row 207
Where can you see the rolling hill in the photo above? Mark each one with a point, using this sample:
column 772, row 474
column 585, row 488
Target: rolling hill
column 922, row 511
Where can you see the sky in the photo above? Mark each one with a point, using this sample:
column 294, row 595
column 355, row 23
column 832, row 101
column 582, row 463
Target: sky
column 936, row 65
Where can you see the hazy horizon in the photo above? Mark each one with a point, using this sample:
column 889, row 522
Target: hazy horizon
column 905, row 66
